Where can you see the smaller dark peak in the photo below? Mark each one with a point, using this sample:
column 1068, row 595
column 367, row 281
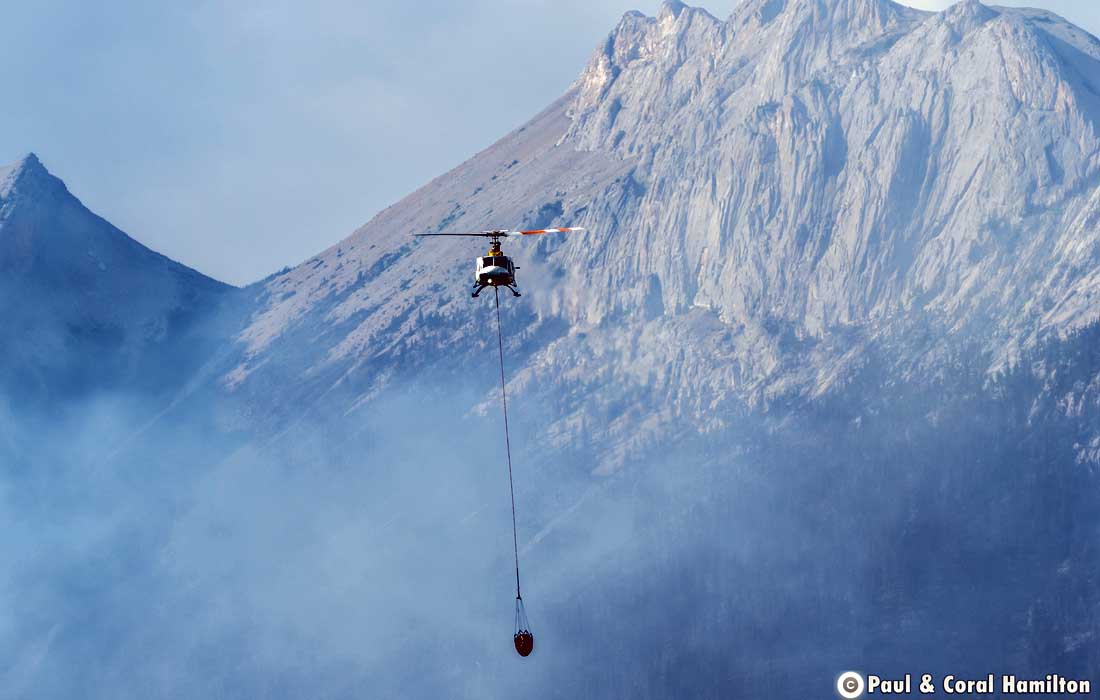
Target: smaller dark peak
column 27, row 175
column 30, row 162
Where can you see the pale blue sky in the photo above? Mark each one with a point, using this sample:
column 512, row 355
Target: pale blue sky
column 239, row 136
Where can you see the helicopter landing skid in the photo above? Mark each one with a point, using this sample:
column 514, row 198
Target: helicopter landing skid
column 479, row 287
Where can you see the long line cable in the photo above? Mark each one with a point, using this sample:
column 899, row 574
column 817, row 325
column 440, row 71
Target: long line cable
column 507, row 440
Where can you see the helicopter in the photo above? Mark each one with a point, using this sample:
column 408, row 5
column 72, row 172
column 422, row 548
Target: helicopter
column 495, row 269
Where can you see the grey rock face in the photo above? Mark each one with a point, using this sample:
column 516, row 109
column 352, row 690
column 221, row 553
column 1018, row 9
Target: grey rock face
column 762, row 193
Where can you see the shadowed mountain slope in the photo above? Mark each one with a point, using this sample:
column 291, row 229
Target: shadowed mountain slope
column 84, row 307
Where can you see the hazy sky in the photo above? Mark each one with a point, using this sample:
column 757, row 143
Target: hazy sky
column 239, row 136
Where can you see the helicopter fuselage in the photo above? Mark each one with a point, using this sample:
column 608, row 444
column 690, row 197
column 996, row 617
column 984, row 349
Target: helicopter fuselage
column 495, row 271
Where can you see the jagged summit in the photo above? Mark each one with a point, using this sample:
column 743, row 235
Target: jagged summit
column 29, row 161
column 966, row 15
column 784, row 43
column 671, row 8
column 806, row 176
column 24, row 172
column 821, row 9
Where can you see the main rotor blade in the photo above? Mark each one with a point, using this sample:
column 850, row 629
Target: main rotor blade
column 483, row 234
column 502, row 234
column 540, row 231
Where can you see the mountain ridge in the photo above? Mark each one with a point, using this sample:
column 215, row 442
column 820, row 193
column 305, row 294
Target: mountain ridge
column 11, row 174
column 807, row 192
column 790, row 195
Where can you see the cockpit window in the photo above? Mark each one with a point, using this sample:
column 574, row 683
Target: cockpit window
column 495, row 261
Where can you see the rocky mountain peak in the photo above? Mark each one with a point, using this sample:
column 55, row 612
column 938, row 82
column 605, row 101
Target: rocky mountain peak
column 966, row 15
column 29, row 176
column 670, row 9
column 825, row 14
column 27, row 162
column 70, row 280
column 638, row 37
column 648, row 49
column 47, row 234
column 807, row 174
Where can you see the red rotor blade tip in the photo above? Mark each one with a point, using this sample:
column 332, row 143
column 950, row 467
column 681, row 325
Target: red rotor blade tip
column 548, row 230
